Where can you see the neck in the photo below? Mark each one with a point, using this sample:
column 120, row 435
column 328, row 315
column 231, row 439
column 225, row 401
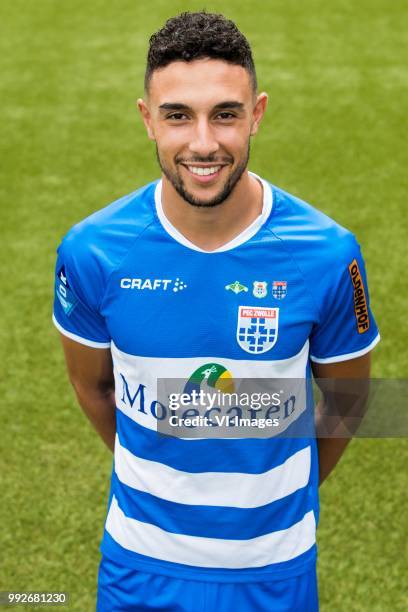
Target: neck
column 210, row 228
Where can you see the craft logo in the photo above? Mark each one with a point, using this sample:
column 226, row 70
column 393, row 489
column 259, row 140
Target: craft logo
column 260, row 289
column 236, row 287
column 257, row 328
column 360, row 301
column 64, row 294
column 279, row 289
column 156, row 284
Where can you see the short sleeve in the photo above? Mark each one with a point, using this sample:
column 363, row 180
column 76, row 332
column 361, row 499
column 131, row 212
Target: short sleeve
column 77, row 297
column 346, row 328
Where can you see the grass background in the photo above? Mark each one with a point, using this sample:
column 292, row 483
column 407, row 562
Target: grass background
column 72, row 142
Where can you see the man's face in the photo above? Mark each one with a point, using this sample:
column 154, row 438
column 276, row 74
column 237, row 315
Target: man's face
column 201, row 115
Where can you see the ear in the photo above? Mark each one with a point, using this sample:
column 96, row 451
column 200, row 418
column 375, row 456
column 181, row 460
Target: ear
column 146, row 116
column 261, row 103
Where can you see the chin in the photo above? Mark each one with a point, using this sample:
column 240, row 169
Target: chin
column 210, row 202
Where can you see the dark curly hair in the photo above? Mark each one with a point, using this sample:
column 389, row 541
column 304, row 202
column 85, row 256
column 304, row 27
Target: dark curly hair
column 191, row 36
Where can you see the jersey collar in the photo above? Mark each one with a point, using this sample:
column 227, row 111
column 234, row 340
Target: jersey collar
column 244, row 236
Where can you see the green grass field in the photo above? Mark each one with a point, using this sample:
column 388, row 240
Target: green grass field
column 72, row 142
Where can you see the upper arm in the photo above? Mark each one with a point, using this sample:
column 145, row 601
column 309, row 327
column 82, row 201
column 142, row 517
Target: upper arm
column 345, row 389
column 90, row 369
column 352, row 368
column 345, row 333
column 344, row 381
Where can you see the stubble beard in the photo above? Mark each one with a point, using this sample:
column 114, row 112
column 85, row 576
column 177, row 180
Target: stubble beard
column 178, row 184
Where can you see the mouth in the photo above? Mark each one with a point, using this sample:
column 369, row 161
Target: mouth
column 204, row 174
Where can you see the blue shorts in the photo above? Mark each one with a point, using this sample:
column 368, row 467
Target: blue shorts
column 122, row 589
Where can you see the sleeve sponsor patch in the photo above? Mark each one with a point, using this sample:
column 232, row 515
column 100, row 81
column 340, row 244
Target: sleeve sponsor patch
column 360, row 300
column 67, row 298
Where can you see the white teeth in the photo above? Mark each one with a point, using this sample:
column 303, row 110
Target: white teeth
column 204, row 171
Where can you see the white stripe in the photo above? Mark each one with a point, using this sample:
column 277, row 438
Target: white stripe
column 79, row 339
column 149, row 540
column 347, row 356
column 147, row 371
column 245, row 235
column 180, row 367
column 232, row 489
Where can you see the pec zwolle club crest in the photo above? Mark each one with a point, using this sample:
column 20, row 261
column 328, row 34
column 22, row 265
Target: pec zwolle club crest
column 257, row 329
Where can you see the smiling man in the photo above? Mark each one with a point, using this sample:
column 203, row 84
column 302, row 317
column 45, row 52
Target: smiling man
column 207, row 275
column 203, row 137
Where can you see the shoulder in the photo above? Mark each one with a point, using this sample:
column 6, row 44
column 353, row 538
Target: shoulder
column 313, row 238
column 104, row 237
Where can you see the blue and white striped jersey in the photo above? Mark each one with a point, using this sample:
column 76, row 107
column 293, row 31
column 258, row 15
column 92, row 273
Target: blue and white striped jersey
column 289, row 289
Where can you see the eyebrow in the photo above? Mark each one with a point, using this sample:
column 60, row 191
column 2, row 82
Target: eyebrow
column 177, row 106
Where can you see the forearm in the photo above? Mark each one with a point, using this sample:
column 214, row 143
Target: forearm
column 345, row 389
column 330, row 450
column 100, row 410
column 332, row 440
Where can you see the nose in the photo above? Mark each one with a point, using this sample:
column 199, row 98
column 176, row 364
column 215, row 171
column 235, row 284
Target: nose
column 203, row 143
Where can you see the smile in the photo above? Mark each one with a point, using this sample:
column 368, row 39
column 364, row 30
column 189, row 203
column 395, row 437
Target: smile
column 204, row 174
column 204, row 171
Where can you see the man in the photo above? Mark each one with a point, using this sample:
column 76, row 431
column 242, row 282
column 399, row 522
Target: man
column 209, row 266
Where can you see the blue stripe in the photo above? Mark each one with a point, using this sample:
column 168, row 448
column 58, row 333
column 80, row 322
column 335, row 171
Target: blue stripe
column 247, row 456
column 212, row 521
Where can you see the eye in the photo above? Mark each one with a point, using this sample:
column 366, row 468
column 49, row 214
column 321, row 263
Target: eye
column 177, row 117
column 225, row 115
